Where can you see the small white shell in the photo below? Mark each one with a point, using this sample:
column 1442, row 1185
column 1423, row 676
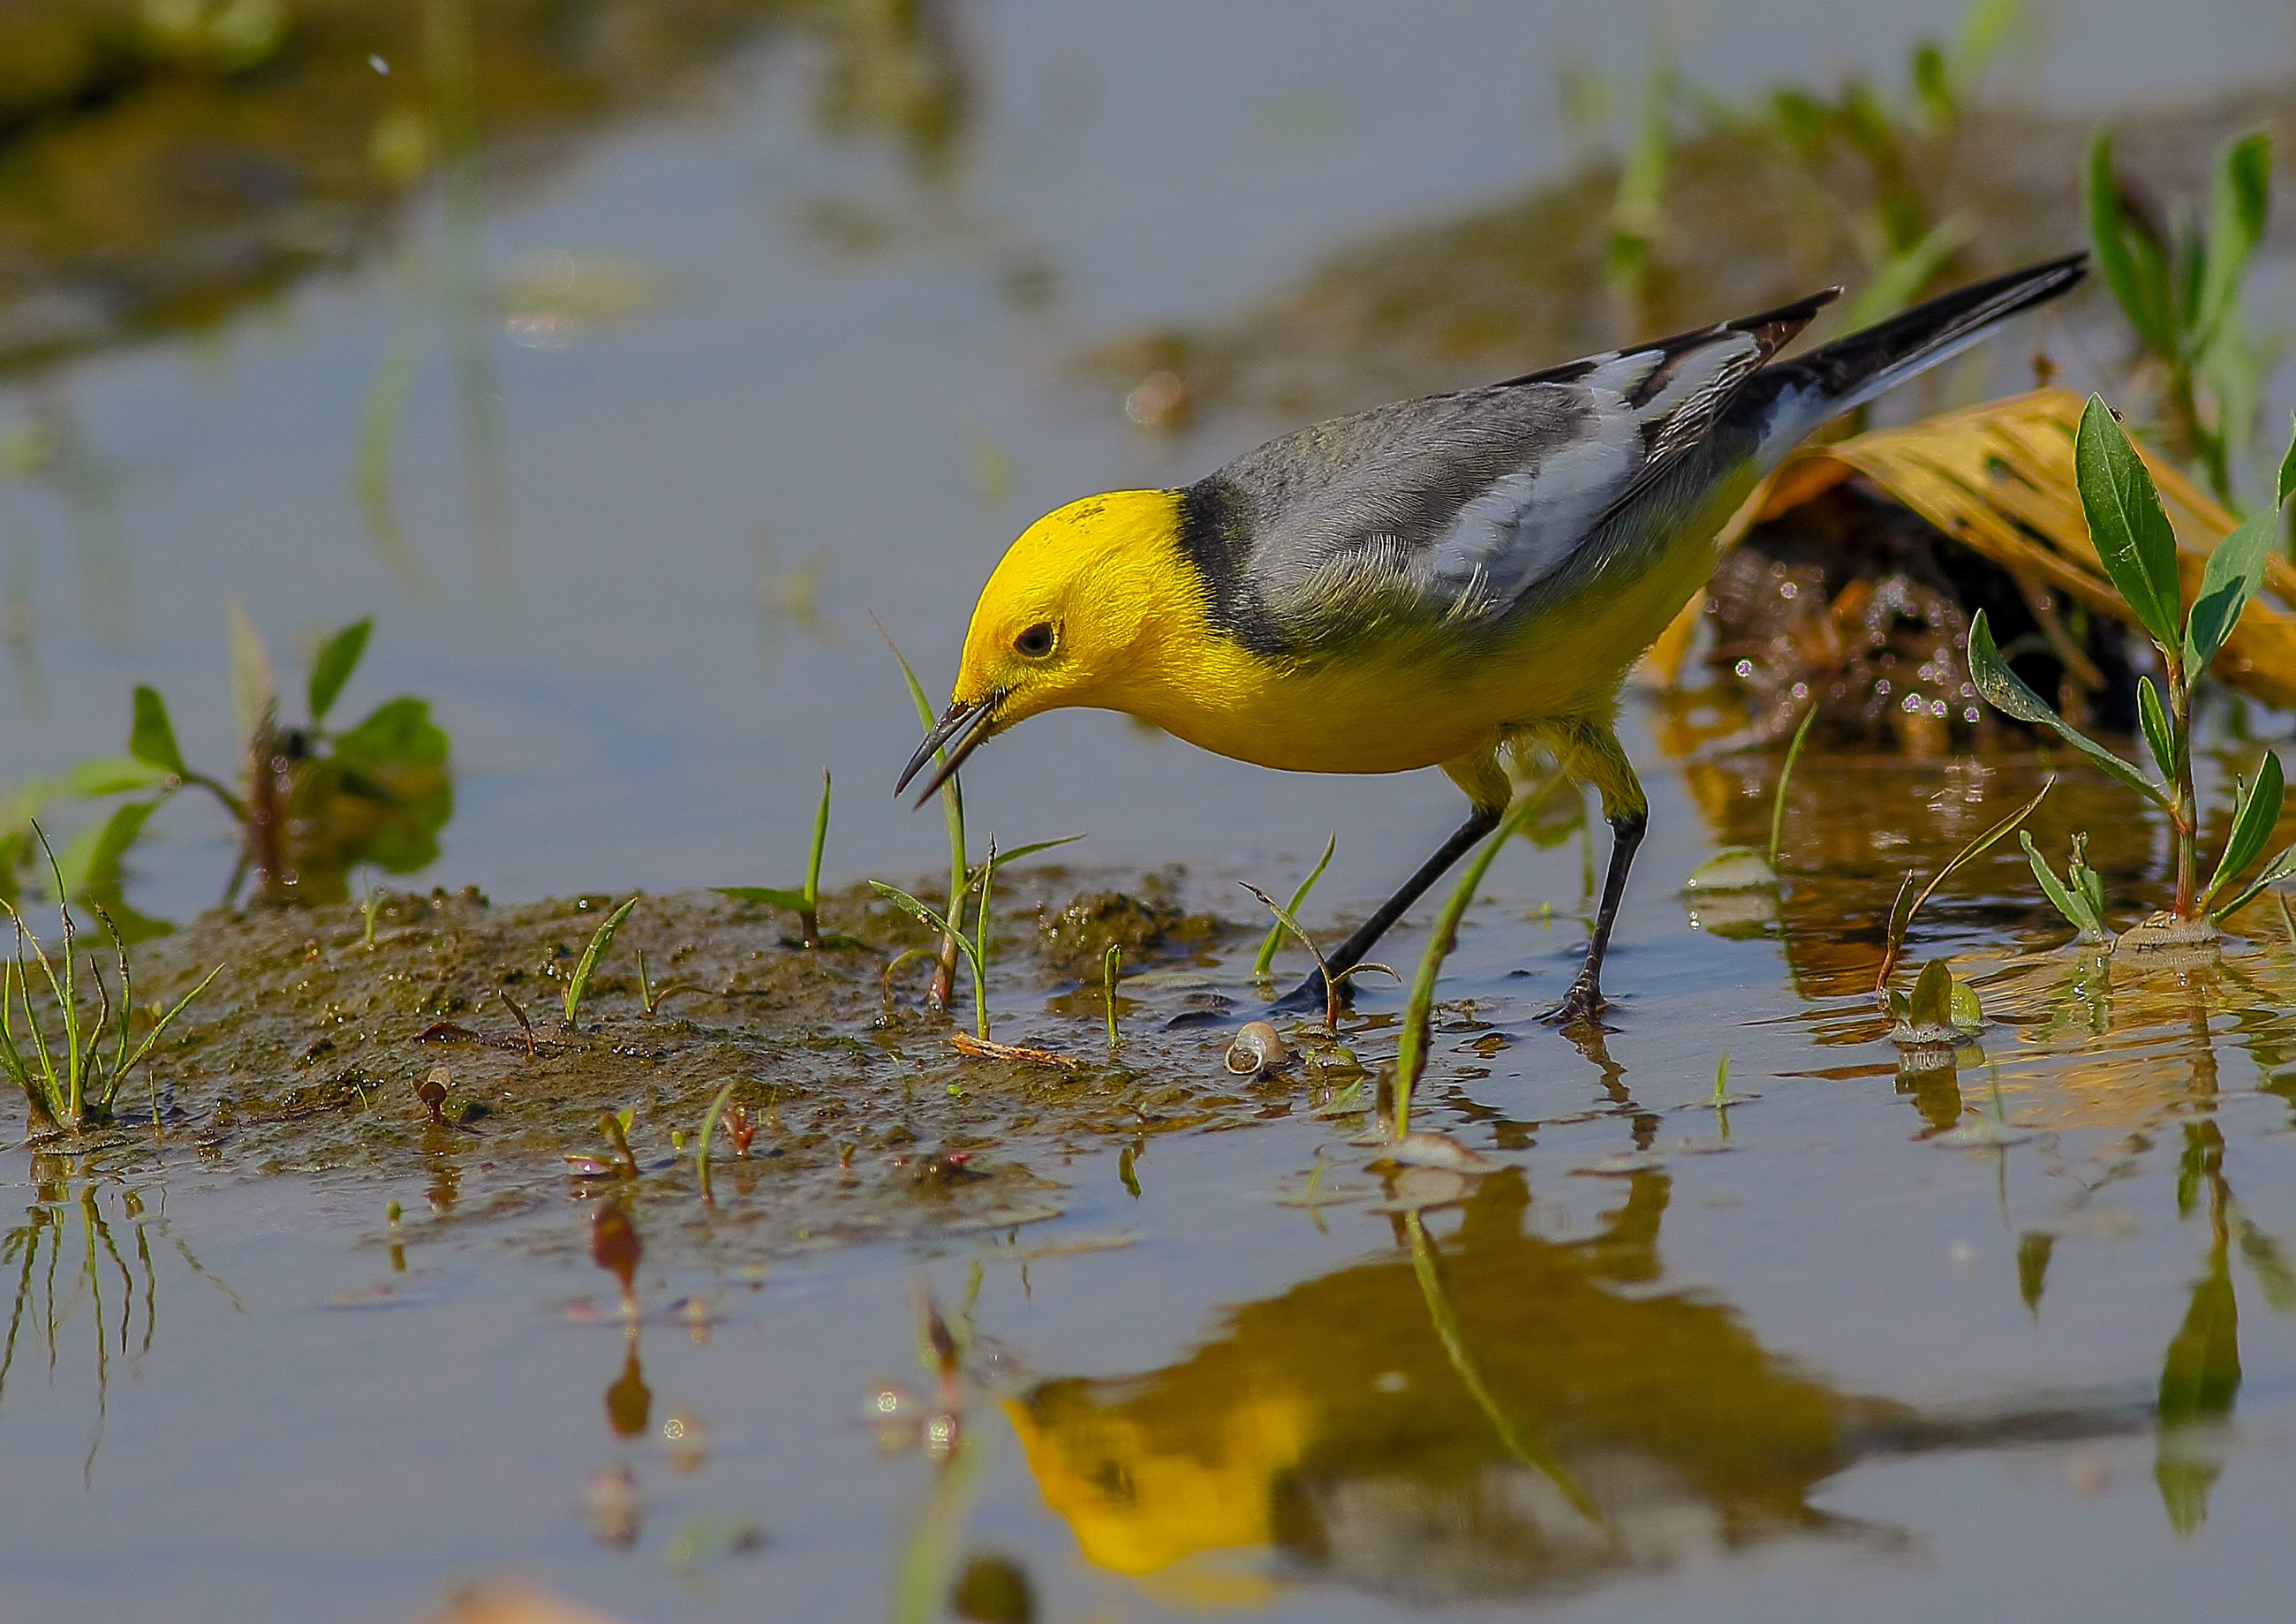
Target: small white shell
column 1259, row 1049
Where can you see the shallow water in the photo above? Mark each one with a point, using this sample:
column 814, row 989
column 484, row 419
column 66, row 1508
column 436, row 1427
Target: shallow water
column 2005, row 1335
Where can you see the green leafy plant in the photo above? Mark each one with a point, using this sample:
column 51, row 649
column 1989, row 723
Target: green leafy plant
column 2178, row 282
column 2079, row 896
column 578, row 985
column 1264, row 960
column 68, row 1080
column 804, row 902
column 311, row 802
column 2138, row 550
column 1938, row 1005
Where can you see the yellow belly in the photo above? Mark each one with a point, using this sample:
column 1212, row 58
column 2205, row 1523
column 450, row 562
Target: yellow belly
column 1394, row 710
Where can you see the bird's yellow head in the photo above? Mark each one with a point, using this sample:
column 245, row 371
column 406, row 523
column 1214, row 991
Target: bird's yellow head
column 1085, row 598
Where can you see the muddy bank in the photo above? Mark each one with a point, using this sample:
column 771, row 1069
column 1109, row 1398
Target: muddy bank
column 308, row 1055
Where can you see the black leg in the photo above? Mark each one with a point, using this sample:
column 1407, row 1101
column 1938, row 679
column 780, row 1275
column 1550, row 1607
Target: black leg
column 1584, row 1001
column 1481, row 822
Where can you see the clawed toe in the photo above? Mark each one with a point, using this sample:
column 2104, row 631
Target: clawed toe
column 1582, row 1005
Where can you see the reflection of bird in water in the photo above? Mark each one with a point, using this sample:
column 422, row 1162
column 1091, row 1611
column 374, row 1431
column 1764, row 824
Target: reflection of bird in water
column 1332, row 1425
column 1438, row 582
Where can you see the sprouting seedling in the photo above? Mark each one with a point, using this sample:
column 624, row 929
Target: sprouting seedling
column 804, row 902
column 951, row 924
column 2137, row 549
column 366, row 911
column 1901, row 914
column 1785, row 776
column 616, row 1126
column 1722, row 1094
column 584, row 967
column 1939, row 1005
column 952, row 929
column 1741, row 867
column 718, row 1107
column 1262, row 965
column 518, row 1014
column 651, row 997
column 70, row 1082
column 1111, row 961
column 2182, row 294
column 1419, row 1011
column 1331, row 983
column 952, row 804
column 2079, row 896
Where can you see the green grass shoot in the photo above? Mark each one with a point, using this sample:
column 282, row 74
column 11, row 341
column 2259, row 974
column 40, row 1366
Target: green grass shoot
column 804, row 902
column 1785, row 776
column 584, row 967
column 1419, row 1011
column 1261, row 965
column 952, row 805
column 1111, row 961
column 717, row 1105
column 67, row 1081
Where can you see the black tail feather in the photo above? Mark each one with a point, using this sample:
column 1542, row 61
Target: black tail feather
column 1853, row 369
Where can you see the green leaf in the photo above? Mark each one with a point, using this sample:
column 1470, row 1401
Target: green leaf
column 1265, row 959
column 2272, row 873
column 2127, row 524
column 2253, row 820
column 152, row 737
column 820, row 840
column 397, row 732
column 2066, row 899
column 926, row 916
column 2240, row 191
column 794, row 902
column 1966, row 1008
column 1934, row 85
column 2006, row 692
column 2234, row 571
column 337, row 657
column 2158, row 733
column 2136, row 284
column 600, row 938
column 1006, row 859
column 1932, row 1003
column 2288, row 469
column 90, row 860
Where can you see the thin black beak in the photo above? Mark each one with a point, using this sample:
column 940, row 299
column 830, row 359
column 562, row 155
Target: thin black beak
column 960, row 731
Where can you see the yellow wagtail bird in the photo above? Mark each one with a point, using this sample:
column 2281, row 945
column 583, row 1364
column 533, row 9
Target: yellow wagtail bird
column 1435, row 582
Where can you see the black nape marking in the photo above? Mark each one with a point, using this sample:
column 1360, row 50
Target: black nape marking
column 1215, row 538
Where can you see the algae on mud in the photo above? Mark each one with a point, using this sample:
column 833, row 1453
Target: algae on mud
column 307, row 1054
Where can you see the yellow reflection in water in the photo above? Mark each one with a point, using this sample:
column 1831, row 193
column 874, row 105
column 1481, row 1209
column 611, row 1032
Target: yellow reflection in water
column 1482, row 1414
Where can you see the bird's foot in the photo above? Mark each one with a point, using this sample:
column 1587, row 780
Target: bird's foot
column 1581, row 1007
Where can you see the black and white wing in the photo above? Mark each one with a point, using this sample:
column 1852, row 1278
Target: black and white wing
column 1450, row 508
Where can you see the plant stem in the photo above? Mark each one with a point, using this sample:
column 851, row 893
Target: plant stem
column 2183, row 823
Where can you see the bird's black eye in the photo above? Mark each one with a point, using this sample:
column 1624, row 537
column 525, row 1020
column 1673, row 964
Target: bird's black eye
column 1037, row 642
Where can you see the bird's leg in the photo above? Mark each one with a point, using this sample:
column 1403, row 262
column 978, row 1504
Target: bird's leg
column 1481, row 822
column 1601, row 762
